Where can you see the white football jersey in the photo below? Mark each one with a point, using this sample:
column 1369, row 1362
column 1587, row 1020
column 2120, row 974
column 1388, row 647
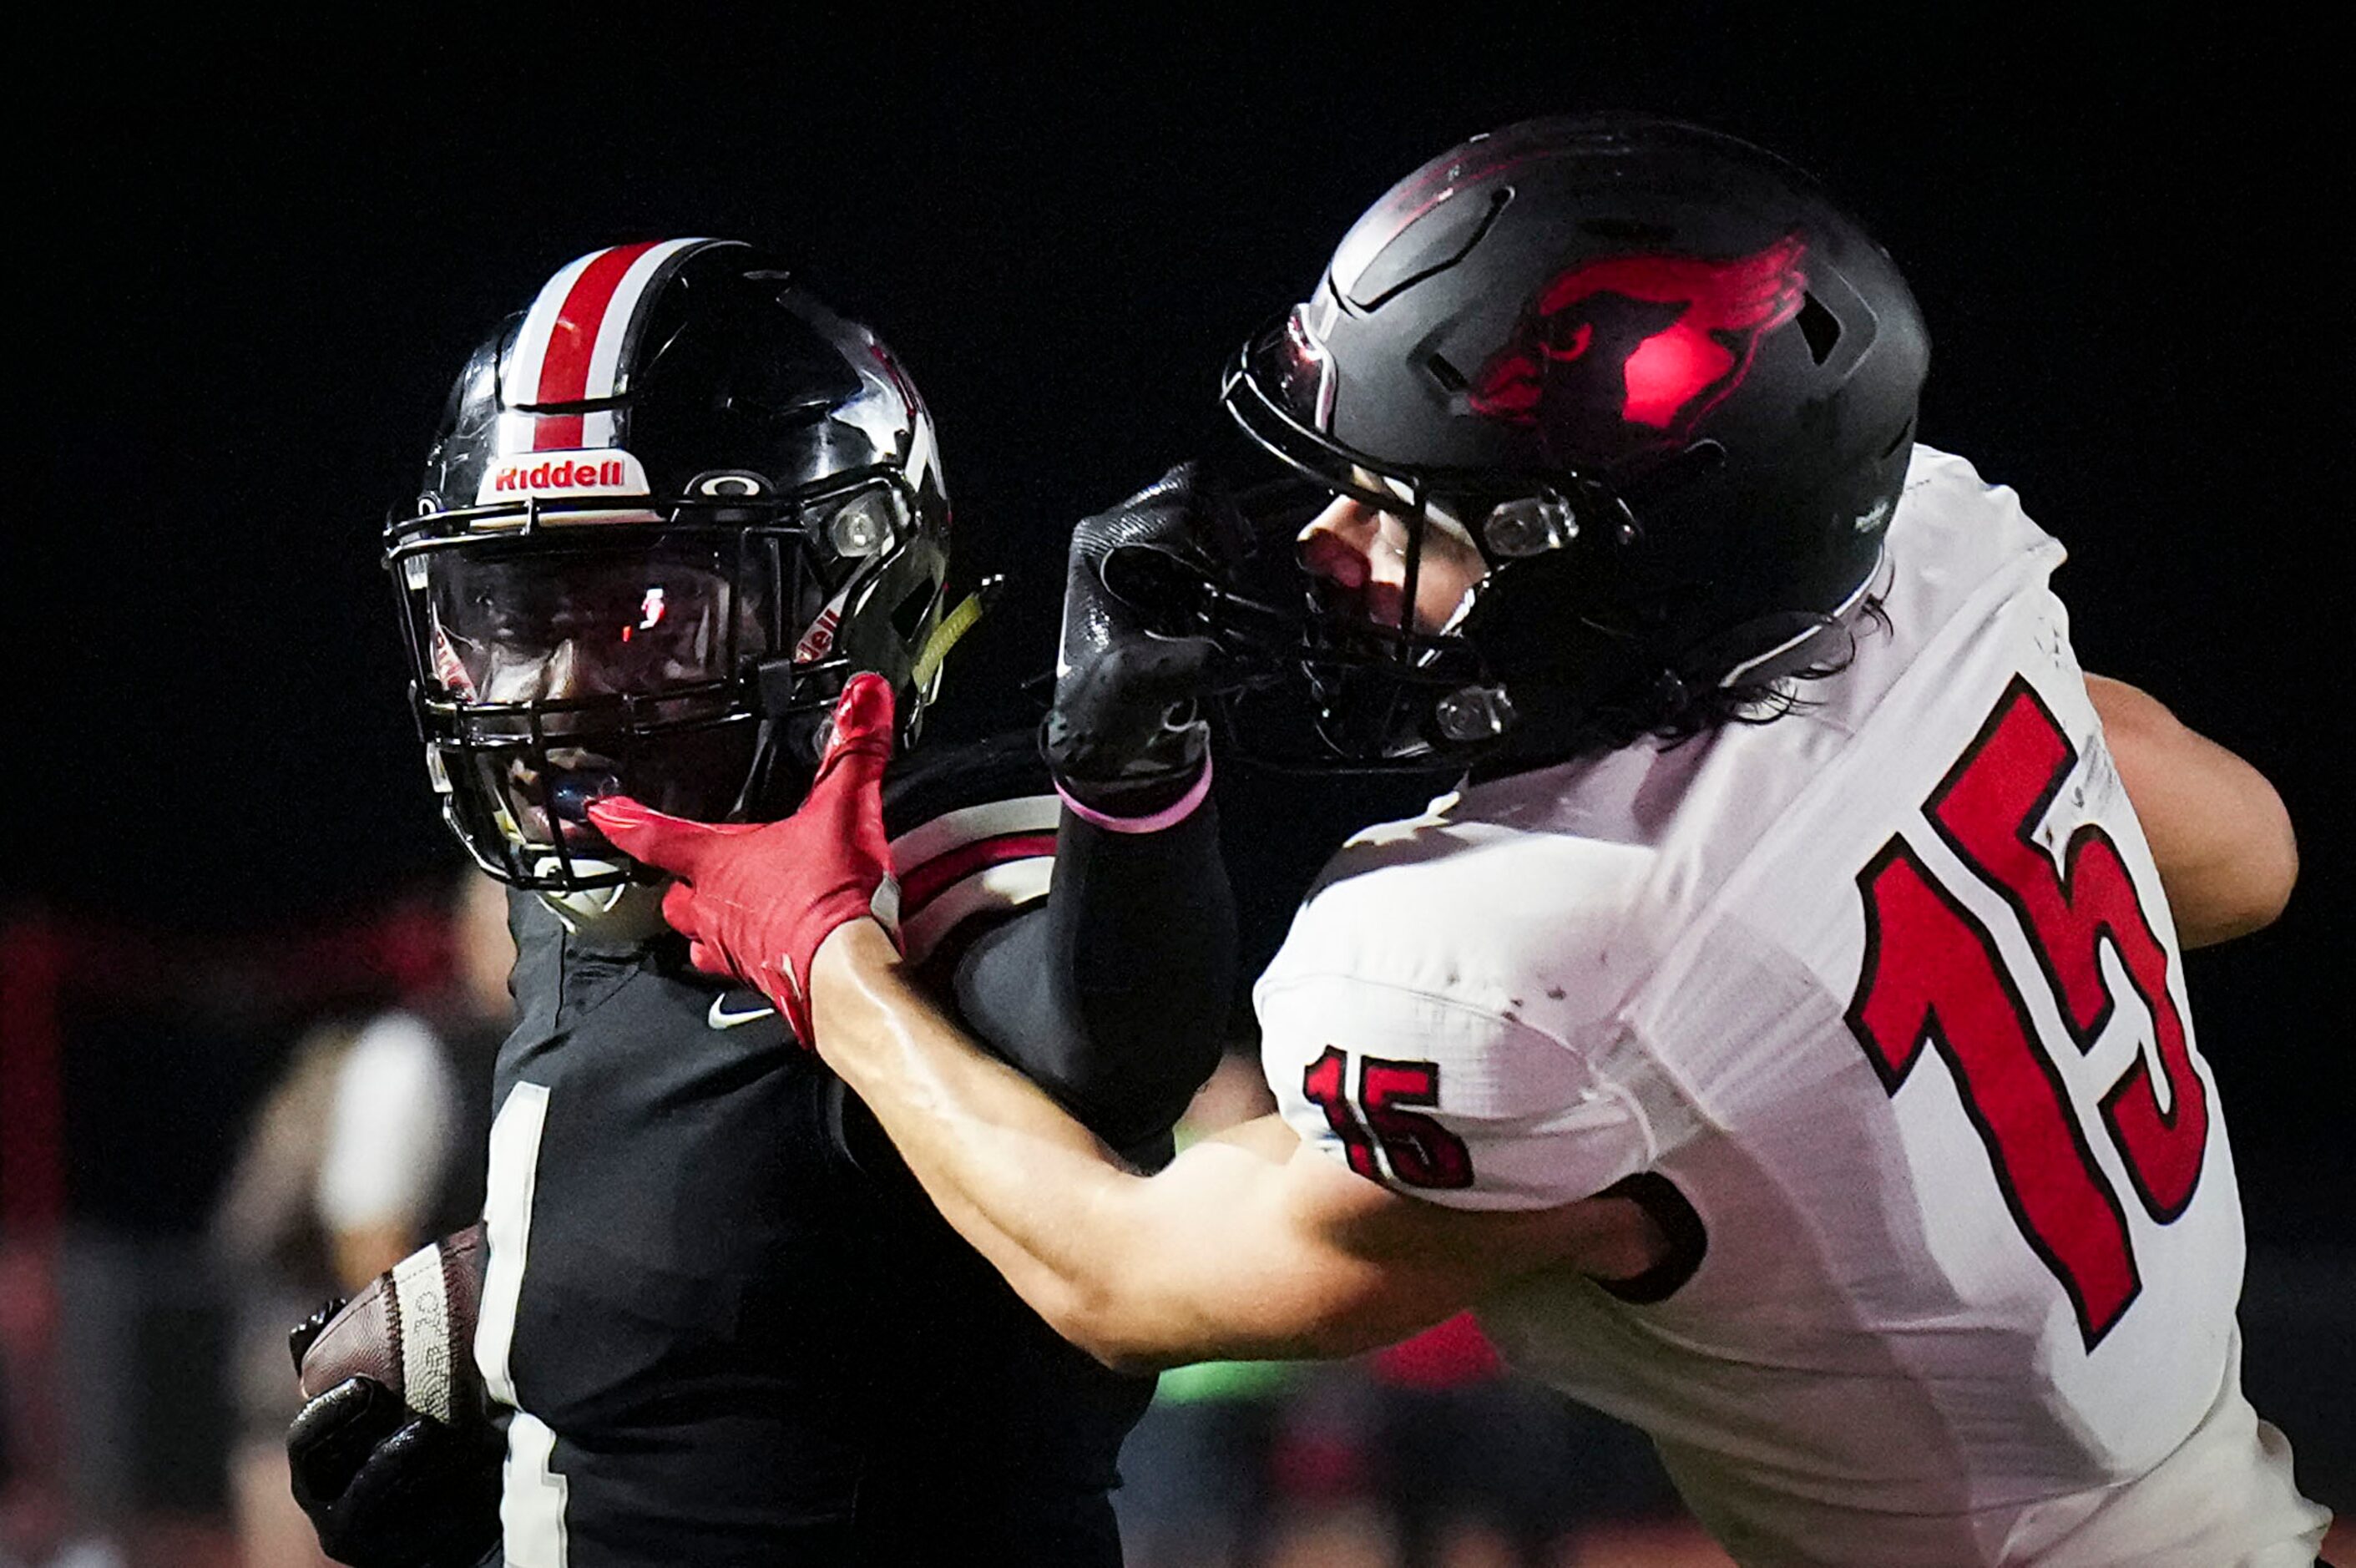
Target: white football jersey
column 1888, row 989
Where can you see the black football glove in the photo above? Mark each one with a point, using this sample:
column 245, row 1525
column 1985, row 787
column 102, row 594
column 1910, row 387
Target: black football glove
column 387, row 1488
column 1125, row 730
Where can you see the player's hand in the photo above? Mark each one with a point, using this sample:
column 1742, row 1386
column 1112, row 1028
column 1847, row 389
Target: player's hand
column 755, row 899
column 387, row 1488
column 1124, row 729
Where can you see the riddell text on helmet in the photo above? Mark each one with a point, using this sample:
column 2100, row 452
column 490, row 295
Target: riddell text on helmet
column 610, row 472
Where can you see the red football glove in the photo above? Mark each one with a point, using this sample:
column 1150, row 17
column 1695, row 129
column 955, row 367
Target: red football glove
column 755, row 899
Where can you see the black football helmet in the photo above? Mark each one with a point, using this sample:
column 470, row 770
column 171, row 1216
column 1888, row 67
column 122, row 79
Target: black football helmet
column 1666, row 386
column 674, row 504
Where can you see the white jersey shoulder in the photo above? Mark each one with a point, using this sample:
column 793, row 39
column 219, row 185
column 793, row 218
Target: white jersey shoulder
column 1887, row 987
column 1528, row 912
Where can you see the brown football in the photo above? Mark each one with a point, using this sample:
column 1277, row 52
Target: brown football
column 411, row 1329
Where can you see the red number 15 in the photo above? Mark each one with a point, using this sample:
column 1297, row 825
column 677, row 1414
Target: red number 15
column 1934, row 975
column 1421, row 1152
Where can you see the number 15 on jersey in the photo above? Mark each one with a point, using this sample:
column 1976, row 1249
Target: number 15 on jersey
column 1934, row 975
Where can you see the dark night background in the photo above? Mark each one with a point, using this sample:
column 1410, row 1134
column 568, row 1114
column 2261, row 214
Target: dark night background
column 252, row 265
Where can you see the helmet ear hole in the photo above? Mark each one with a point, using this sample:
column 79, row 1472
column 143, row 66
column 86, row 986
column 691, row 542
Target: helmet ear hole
column 1818, row 328
column 909, row 613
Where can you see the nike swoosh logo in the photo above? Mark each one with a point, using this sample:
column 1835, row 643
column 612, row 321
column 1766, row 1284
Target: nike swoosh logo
column 719, row 1017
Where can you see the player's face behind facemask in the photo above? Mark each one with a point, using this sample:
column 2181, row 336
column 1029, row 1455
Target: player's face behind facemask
column 1363, row 558
column 605, row 667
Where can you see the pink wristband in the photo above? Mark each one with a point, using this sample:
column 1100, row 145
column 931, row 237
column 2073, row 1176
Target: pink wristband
column 1170, row 816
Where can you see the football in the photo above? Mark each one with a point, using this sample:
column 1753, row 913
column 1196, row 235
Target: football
column 411, row 1329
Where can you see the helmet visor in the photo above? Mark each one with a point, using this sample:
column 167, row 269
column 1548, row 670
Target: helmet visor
column 645, row 618
column 1281, row 391
column 1295, row 371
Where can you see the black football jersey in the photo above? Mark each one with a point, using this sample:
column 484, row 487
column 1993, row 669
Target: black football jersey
column 730, row 1326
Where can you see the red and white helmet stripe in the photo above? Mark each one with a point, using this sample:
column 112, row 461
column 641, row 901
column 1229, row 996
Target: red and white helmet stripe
column 570, row 347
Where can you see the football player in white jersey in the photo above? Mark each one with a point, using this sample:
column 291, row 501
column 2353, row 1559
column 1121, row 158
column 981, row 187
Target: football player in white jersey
column 1780, row 1038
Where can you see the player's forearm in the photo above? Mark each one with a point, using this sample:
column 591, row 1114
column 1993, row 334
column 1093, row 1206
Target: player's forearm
column 1222, row 1254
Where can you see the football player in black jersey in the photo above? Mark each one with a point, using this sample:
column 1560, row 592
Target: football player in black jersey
column 675, row 505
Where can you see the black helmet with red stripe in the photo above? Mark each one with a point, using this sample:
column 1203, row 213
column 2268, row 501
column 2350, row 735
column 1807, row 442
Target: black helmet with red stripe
column 1656, row 376
column 673, row 505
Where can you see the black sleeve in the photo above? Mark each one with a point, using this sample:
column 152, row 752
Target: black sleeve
column 1114, row 995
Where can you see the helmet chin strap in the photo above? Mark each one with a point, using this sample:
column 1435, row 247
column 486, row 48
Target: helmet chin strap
column 951, row 630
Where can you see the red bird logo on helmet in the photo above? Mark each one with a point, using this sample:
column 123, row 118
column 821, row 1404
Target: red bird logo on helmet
column 1625, row 354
